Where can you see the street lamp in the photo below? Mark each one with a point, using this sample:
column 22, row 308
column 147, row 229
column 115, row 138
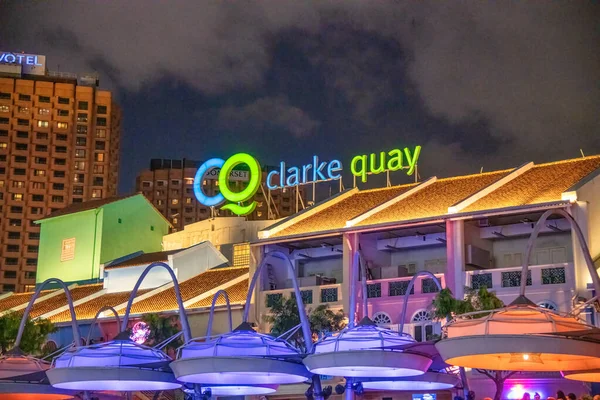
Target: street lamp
column 245, row 357
column 523, row 336
column 24, row 376
column 119, row 364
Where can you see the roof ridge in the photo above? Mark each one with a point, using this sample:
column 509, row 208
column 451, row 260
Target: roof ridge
column 387, row 188
column 570, row 160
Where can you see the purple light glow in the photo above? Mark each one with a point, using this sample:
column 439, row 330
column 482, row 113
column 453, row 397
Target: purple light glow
column 118, row 385
column 240, row 390
column 517, row 391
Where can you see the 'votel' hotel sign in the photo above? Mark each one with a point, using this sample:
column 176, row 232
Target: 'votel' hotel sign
column 31, row 64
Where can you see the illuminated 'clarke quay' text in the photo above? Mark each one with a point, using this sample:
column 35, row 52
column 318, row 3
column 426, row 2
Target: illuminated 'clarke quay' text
column 316, row 171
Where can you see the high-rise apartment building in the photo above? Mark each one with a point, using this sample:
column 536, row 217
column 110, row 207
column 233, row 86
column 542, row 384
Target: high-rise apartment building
column 168, row 184
column 59, row 144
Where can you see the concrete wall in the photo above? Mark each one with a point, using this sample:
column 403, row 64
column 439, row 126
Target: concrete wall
column 218, row 231
column 547, row 248
column 195, row 260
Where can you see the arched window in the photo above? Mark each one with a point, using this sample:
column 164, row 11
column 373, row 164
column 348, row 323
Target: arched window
column 381, row 318
column 423, row 327
column 548, row 304
column 49, row 347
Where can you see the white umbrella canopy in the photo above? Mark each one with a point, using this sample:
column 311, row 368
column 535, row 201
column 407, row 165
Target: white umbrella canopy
column 518, row 337
column 360, row 351
column 241, row 357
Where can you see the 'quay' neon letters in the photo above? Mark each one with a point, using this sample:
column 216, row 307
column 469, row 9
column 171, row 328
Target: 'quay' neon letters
column 377, row 162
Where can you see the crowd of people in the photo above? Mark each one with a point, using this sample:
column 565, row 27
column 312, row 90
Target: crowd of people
column 560, row 395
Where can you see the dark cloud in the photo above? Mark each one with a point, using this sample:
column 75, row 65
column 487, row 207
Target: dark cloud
column 478, row 83
column 267, row 114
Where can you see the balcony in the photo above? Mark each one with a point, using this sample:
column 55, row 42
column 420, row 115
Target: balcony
column 508, row 279
column 312, row 296
column 393, row 288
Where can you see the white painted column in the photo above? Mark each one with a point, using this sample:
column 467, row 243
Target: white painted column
column 350, row 248
column 256, row 256
column 455, row 254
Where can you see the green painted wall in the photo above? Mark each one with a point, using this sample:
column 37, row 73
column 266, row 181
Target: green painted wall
column 134, row 232
column 84, row 227
column 101, row 235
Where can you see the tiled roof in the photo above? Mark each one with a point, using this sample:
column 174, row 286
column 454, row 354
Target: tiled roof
column 60, row 300
column 335, row 216
column 165, row 301
column 143, row 259
column 17, row 299
column 236, row 293
column 434, row 199
column 88, row 310
column 541, row 184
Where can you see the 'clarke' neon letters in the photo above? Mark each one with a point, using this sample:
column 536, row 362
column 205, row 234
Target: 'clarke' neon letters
column 315, row 172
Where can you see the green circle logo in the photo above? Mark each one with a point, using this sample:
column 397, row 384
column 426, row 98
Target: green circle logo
column 248, row 192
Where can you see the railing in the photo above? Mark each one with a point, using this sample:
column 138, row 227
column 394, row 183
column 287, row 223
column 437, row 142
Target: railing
column 396, row 287
column 311, row 295
column 510, row 278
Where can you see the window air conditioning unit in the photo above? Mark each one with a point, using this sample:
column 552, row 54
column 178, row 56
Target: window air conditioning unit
column 477, row 257
column 483, row 222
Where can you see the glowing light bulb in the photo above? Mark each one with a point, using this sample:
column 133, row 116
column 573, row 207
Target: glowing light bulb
column 525, row 357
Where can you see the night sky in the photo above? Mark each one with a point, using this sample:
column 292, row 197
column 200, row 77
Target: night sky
column 478, row 84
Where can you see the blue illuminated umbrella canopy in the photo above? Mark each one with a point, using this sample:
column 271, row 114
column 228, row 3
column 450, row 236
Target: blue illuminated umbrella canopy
column 241, row 357
column 120, row 365
column 361, row 351
column 238, row 390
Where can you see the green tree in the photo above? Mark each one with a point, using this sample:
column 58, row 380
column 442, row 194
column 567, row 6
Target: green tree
column 161, row 328
column 284, row 316
column 446, row 306
column 34, row 335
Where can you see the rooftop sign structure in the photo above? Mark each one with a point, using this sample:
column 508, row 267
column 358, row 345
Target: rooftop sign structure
column 30, row 64
column 314, row 172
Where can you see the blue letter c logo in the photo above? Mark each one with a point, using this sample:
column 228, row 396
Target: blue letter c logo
column 200, row 195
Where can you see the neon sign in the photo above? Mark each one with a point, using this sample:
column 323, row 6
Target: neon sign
column 30, row 63
column 316, row 171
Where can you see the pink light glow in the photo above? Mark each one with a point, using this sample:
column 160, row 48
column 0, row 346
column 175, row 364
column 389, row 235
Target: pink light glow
column 517, row 391
column 140, row 332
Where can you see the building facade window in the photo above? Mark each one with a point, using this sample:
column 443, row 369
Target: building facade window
column 42, row 124
column 80, row 153
column 43, row 111
column 63, row 100
column 100, row 133
column 101, row 109
column 82, row 117
column 24, row 97
column 96, row 193
column 41, row 135
column 100, row 121
column 82, row 129
column 44, row 99
column 62, row 113
column 62, row 125
column 82, row 105
column 99, row 157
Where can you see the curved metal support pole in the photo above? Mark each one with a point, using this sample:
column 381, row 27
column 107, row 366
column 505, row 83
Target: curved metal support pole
column 100, row 311
column 76, row 334
column 363, row 267
column 185, row 327
column 212, row 312
column 582, row 245
column 306, row 332
column 352, row 300
column 411, row 284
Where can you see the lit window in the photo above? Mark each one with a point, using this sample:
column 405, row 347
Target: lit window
column 99, row 157
column 79, row 178
column 38, row 185
column 100, row 133
column 175, row 221
column 80, row 153
column 3, row 145
column 189, row 181
column 188, row 200
column 43, row 111
column 23, row 110
column 79, row 165
column 96, row 193
column 174, row 201
column 42, row 124
column 159, row 202
column 4, row 108
column 1, row 183
column 39, row 172
column 17, row 196
column 98, row 169
column 18, row 184
column 241, row 255
column 62, row 125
